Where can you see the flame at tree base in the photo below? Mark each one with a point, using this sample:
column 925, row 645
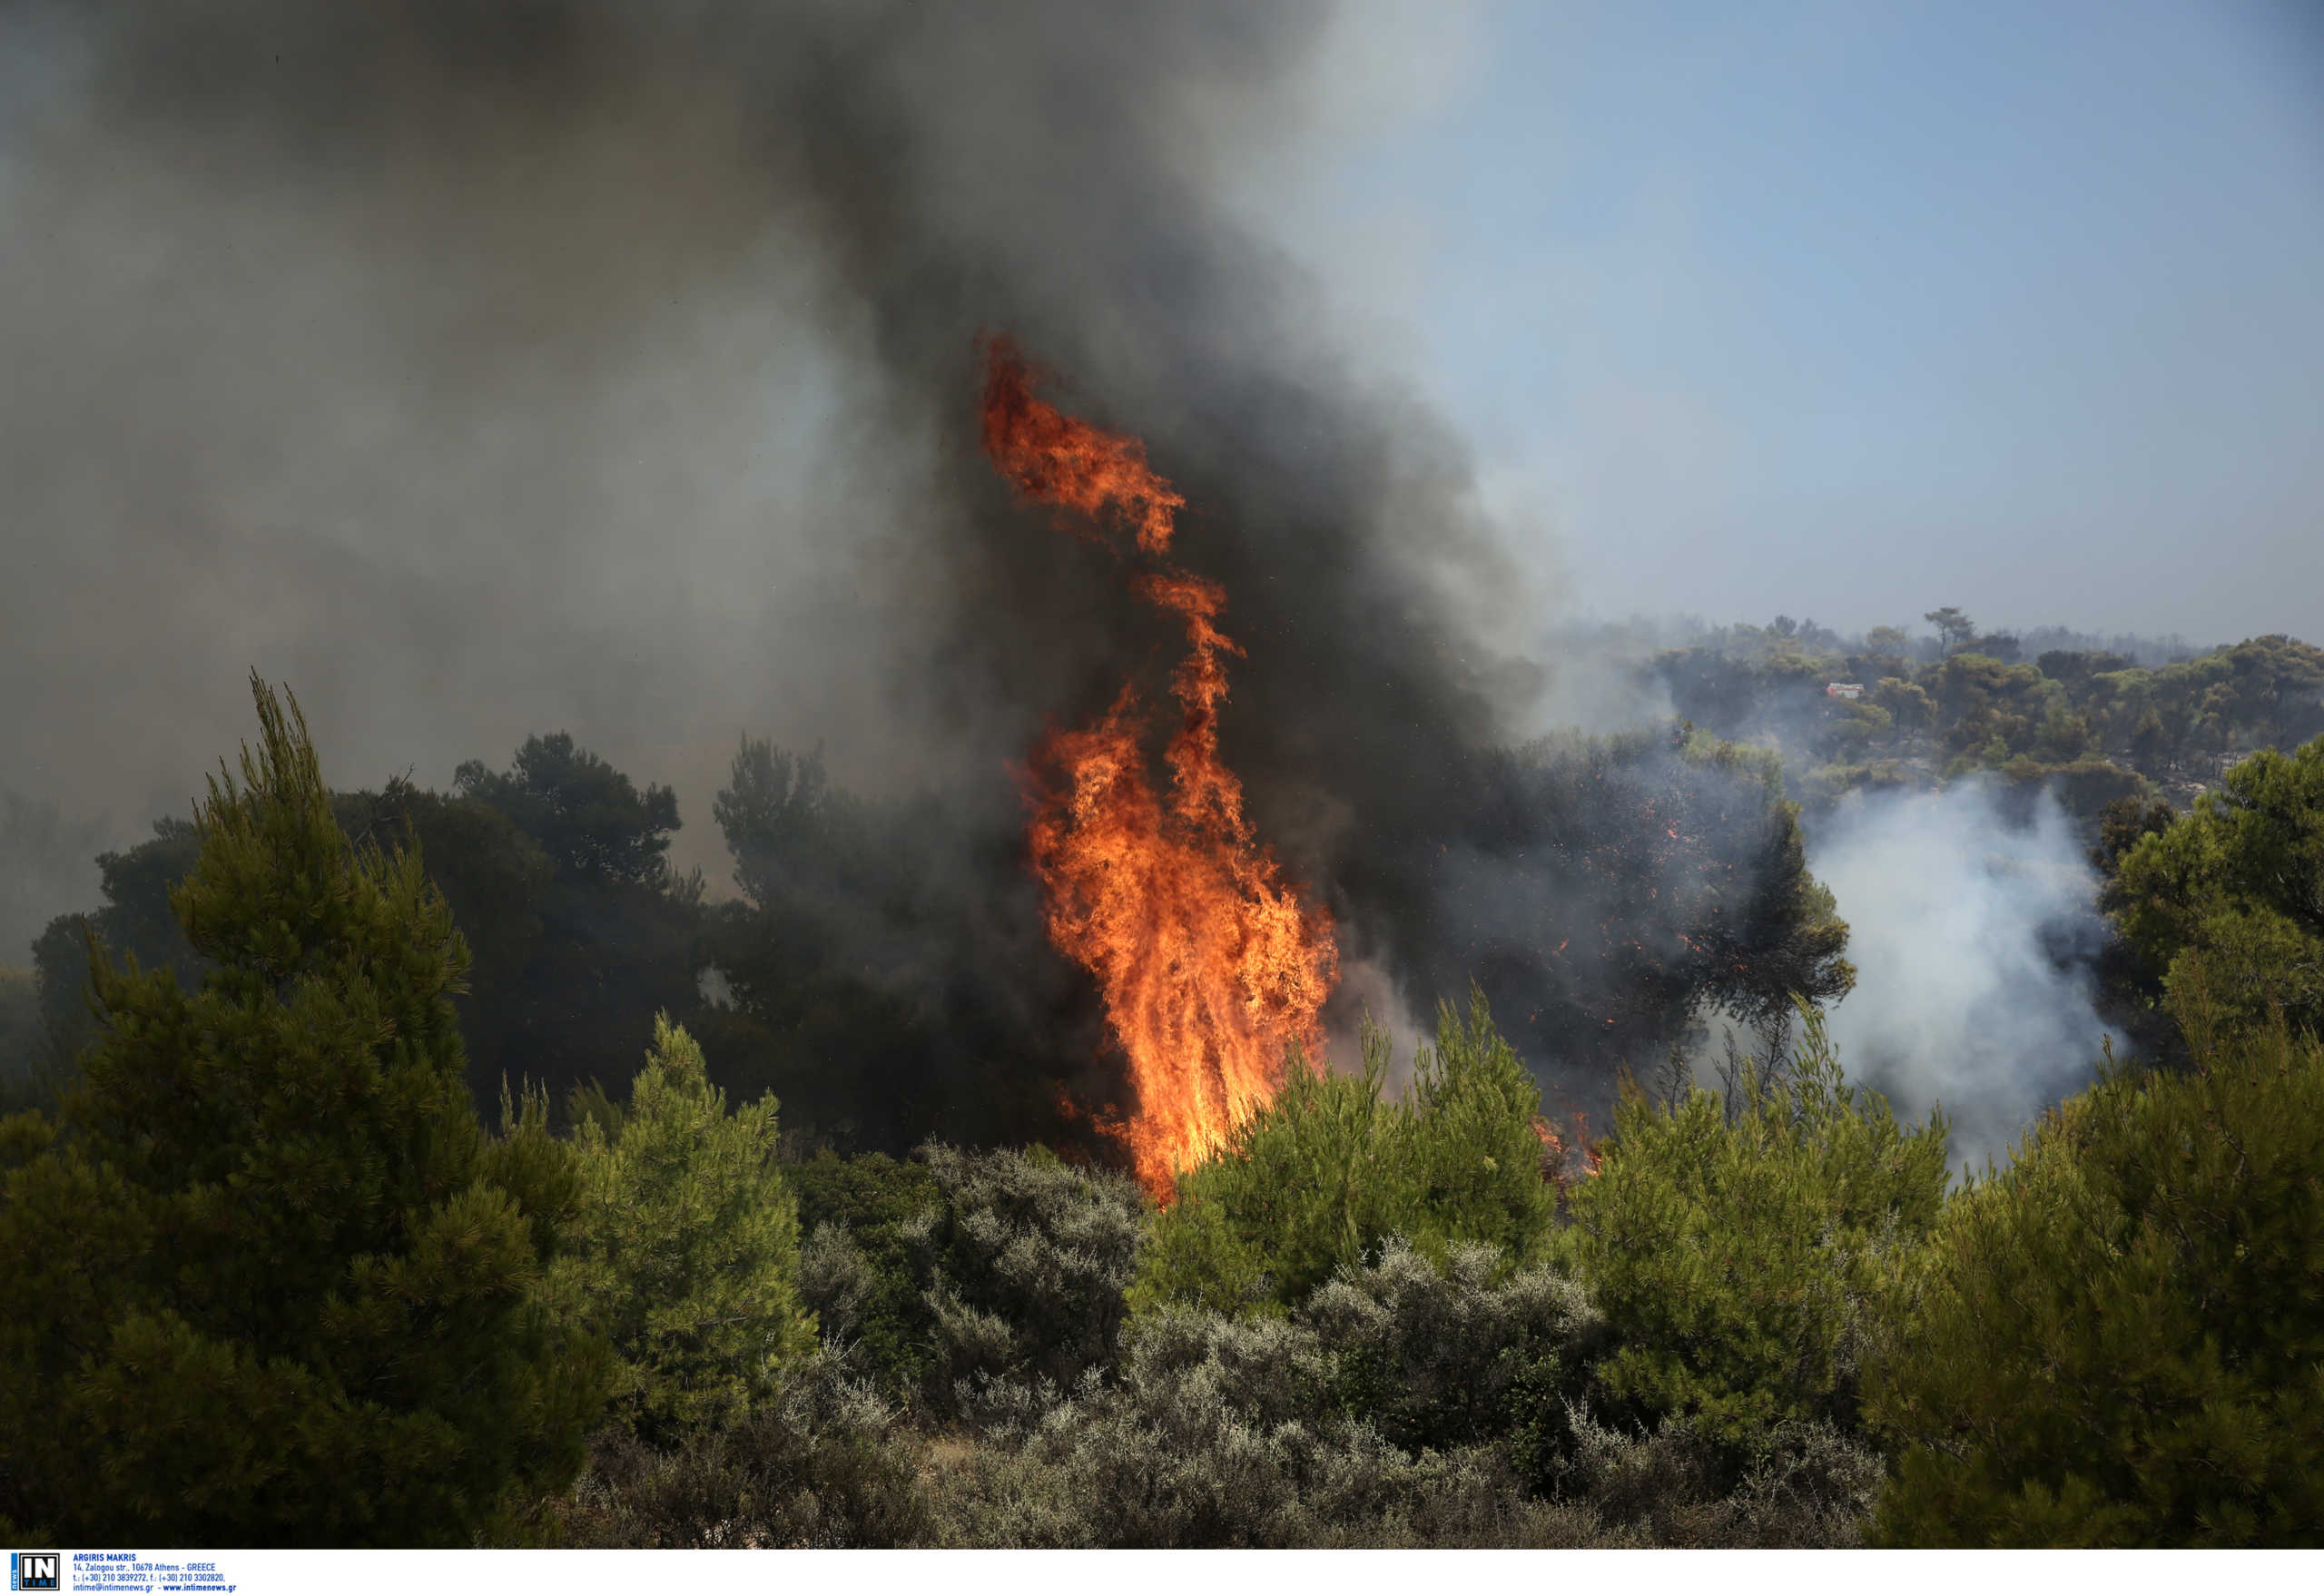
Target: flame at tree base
column 1211, row 964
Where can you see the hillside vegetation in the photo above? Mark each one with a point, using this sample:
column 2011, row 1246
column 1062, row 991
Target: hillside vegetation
column 279, row 1283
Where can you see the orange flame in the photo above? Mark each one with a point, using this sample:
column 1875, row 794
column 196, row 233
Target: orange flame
column 1562, row 1151
column 1210, row 963
column 1049, row 456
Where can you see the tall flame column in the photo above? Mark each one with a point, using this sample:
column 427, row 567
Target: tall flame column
column 1211, row 964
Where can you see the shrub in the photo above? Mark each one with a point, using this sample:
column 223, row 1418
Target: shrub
column 819, row 1462
column 1346, row 1423
column 1023, row 1266
column 2119, row 1341
column 1473, row 1154
column 1809, row 1487
column 684, row 1250
column 856, row 1269
column 1321, row 1177
column 1226, row 1432
column 270, row 1281
column 1737, row 1262
column 1303, row 1187
column 1438, row 1358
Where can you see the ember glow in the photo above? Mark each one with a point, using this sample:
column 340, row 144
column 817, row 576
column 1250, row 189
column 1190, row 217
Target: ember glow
column 1211, row 963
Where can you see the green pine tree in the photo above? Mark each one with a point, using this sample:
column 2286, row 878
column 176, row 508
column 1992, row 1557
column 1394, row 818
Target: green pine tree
column 2119, row 1341
column 2237, row 886
column 1737, row 1261
column 685, row 1249
column 269, row 1282
column 1469, row 1144
column 1331, row 1168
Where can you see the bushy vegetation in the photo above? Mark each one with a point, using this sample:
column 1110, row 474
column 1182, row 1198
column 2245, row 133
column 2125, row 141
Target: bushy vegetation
column 861, row 1217
column 1320, row 1179
column 2232, row 897
column 1736, row 1247
column 278, row 1284
column 1022, row 1265
column 2119, row 1341
column 822, row 1460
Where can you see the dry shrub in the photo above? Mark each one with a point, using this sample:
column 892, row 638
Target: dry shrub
column 821, row 1464
column 1381, row 1414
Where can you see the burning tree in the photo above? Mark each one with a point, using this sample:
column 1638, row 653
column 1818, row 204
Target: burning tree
column 1211, row 963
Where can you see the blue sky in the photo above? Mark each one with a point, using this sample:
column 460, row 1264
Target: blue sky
column 1851, row 310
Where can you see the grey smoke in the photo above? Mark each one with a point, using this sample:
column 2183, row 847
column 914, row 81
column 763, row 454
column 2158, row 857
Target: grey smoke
column 1970, row 937
column 48, row 864
column 479, row 370
column 606, row 365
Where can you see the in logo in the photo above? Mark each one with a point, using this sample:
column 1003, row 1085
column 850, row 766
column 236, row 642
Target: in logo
column 33, row 1571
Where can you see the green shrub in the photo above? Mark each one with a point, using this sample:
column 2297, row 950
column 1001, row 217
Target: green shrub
column 1472, row 1158
column 1260, row 1429
column 957, row 1271
column 1437, row 1357
column 269, row 1282
column 2119, row 1341
column 856, row 1269
column 1737, row 1261
column 1321, row 1177
column 1673, row 1485
column 684, row 1248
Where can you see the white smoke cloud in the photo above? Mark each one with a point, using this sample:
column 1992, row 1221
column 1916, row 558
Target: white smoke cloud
column 1963, row 929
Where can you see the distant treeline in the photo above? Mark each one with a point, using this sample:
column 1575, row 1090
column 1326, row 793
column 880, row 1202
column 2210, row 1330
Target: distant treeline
column 2095, row 725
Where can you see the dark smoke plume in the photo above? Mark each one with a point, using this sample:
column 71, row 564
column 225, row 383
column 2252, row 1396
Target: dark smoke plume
column 484, row 370
column 392, row 343
column 478, row 368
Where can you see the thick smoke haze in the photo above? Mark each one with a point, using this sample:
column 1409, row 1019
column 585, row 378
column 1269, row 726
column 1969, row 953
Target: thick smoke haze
column 610, row 367
column 606, row 367
column 1971, row 939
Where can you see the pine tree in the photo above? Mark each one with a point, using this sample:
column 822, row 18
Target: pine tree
column 1471, row 1145
column 2236, row 887
column 2119, row 1341
column 270, row 1281
column 1328, row 1171
column 1737, row 1261
column 685, row 1247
